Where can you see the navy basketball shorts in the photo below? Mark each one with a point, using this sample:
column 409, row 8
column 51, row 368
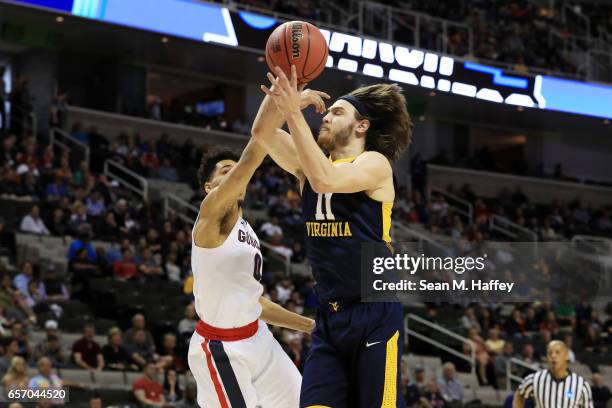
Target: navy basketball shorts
column 355, row 357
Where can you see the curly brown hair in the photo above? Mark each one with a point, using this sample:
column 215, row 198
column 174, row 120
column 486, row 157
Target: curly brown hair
column 390, row 131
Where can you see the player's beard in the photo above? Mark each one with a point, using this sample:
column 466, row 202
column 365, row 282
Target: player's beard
column 328, row 141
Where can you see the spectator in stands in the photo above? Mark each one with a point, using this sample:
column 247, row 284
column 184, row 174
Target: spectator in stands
column 51, row 347
column 47, row 379
column 433, row 396
column 271, row 228
column 416, row 389
column 11, row 349
column 173, row 271
column 54, row 286
column 78, row 218
column 86, row 352
column 19, row 333
column 58, row 225
column 32, row 222
column 601, row 393
column 172, row 391
column 549, row 323
column 187, row 325
column 22, row 280
column 190, row 398
column 12, row 302
column 494, row 344
column 167, row 172
column 469, row 320
column 450, row 388
column 147, row 390
column 529, row 355
column 95, row 401
column 95, row 204
column 500, row 361
column 125, row 269
column 568, row 339
column 140, row 351
column 84, row 235
column 82, row 270
column 485, row 371
column 170, row 358
column 58, row 188
column 115, row 355
column 138, row 323
column 148, row 267
column 35, row 296
column 284, row 289
column 15, row 377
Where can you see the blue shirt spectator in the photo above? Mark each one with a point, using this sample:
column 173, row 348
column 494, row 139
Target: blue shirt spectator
column 450, row 388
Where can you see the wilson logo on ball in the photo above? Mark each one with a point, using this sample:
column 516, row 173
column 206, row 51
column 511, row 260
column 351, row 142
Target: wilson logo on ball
column 296, row 36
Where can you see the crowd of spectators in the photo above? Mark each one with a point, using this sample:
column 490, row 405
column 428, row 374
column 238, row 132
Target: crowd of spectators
column 517, row 32
column 559, row 220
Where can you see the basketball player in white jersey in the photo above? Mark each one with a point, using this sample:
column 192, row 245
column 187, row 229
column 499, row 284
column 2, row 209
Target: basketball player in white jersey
column 233, row 356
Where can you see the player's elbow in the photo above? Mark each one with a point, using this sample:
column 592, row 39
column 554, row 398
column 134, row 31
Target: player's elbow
column 321, row 185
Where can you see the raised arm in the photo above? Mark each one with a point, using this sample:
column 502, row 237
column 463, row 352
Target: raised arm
column 278, row 143
column 234, row 184
column 368, row 172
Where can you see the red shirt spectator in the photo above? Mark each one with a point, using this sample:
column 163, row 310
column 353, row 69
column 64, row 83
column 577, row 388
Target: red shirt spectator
column 125, row 268
column 146, row 389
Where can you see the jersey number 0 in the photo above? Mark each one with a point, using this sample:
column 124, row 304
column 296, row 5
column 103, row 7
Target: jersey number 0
column 328, row 214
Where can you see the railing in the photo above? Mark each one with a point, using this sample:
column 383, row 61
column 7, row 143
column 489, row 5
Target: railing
column 65, row 141
column 425, row 243
column 382, row 20
column 512, row 377
column 184, row 210
column 510, row 228
column 410, row 332
column 458, row 204
column 593, row 244
column 138, row 184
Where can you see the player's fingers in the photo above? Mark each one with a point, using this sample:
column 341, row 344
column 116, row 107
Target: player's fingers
column 281, row 76
column 273, row 80
column 267, row 91
column 323, row 94
column 301, row 86
column 293, row 76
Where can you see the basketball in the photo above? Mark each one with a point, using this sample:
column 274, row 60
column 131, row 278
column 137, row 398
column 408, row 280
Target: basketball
column 298, row 43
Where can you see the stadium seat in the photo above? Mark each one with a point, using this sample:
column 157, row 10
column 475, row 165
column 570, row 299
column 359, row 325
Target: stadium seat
column 468, row 380
column 77, row 375
column 110, row 379
column 112, row 396
column 488, row 395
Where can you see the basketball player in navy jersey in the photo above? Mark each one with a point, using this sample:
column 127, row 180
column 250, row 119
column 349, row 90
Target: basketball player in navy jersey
column 347, row 196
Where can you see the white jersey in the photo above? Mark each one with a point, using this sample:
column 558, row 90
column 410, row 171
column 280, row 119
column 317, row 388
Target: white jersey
column 226, row 283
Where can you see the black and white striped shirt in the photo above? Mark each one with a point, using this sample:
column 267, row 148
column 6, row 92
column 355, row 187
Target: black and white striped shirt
column 547, row 392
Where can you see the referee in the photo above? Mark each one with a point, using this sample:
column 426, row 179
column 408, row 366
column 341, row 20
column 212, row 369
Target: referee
column 555, row 387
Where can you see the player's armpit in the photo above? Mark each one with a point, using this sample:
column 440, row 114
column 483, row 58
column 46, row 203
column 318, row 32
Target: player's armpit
column 277, row 315
column 367, row 172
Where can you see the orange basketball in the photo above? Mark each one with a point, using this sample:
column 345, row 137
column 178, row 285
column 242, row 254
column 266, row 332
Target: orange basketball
column 297, row 43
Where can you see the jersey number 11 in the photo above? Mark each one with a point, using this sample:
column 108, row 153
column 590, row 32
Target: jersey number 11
column 328, row 215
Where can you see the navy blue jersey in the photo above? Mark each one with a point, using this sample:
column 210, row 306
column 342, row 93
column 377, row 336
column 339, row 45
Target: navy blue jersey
column 336, row 226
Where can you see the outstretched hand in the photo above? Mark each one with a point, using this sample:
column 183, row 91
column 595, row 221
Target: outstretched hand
column 286, row 95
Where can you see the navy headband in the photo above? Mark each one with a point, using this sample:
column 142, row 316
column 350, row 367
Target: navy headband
column 353, row 100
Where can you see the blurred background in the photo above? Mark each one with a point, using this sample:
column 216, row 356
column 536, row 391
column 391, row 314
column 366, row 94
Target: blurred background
column 107, row 106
